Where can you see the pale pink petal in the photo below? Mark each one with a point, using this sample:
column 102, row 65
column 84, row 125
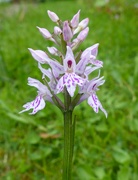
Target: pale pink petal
column 94, row 84
column 89, row 69
column 40, row 56
column 57, row 68
column 70, row 80
column 41, row 87
column 69, row 61
column 60, row 85
column 94, row 102
column 92, row 50
column 96, row 62
column 46, row 72
column 80, row 68
column 75, row 20
column 36, row 105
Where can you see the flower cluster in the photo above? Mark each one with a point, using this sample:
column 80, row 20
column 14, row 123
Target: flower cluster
column 71, row 70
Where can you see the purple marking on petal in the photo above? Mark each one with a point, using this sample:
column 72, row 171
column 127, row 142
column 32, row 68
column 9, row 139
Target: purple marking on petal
column 69, row 63
column 94, row 86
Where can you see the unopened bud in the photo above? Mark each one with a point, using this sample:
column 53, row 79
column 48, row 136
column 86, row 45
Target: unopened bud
column 67, row 33
column 46, row 34
column 75, row 20
column 57, row 30
column 53, row 51
column 82, row 25
column 53, row 16
column 39, row 55
column 83, row 34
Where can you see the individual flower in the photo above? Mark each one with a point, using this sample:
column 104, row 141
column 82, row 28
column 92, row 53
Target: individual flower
column 39, row 102
column 70, row 79
column 89, row 93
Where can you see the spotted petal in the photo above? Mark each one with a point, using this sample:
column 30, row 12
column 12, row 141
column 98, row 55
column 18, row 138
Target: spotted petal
column 70, row 80
column 36, row 105
column 94, row 102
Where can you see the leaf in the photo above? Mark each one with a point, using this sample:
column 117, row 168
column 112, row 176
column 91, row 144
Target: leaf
column 121, row 156
column 124, row 173
column 84, row 174
column 19, row 118
column 99, row 172
column 133, row 124
column 32, row 138
column 40, row 153
column 102, row 127
column 100, row 3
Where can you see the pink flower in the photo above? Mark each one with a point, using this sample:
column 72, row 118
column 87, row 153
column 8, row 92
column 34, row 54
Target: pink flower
column 70, row 79
column 89, row 93
column 39, row 102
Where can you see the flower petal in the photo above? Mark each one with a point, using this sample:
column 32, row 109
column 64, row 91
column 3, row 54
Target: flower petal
column 41, row 87
column 70, row 80
column 57, row 68
column 94, row 102
column 36, row 105
column 40, row 56
column 46, row 72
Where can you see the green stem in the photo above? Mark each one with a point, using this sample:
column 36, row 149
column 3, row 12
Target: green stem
column 69, row 129
column 68, row 145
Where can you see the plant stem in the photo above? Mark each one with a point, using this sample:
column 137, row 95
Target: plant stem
column 68, row 145
column 69, row 129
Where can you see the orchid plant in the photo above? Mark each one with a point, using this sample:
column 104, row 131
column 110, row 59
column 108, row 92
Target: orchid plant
column 68, row 73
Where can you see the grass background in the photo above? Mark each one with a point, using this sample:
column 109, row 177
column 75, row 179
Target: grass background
column 31, row 146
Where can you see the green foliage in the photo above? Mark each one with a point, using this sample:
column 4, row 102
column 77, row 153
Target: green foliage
column 31, row 146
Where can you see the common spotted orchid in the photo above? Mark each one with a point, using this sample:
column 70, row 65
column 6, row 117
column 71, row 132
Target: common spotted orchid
column 66, row 70
column 72, row 70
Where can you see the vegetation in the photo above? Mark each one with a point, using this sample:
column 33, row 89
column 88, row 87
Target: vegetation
column 31, row 146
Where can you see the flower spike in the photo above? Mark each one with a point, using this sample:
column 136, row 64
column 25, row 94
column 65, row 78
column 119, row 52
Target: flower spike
column 64, row 68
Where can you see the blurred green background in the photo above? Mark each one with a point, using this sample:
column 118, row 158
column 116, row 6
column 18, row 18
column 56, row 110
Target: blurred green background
column 31, row 146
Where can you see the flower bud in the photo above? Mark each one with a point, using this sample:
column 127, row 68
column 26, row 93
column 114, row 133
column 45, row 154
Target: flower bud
column 67, row 33
column 82, row 25
column 57, row 30
column 83, row 34
column 39, row 56
column 53, row 16
column 75, row 20
column 46, row 34
column 53, row 50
